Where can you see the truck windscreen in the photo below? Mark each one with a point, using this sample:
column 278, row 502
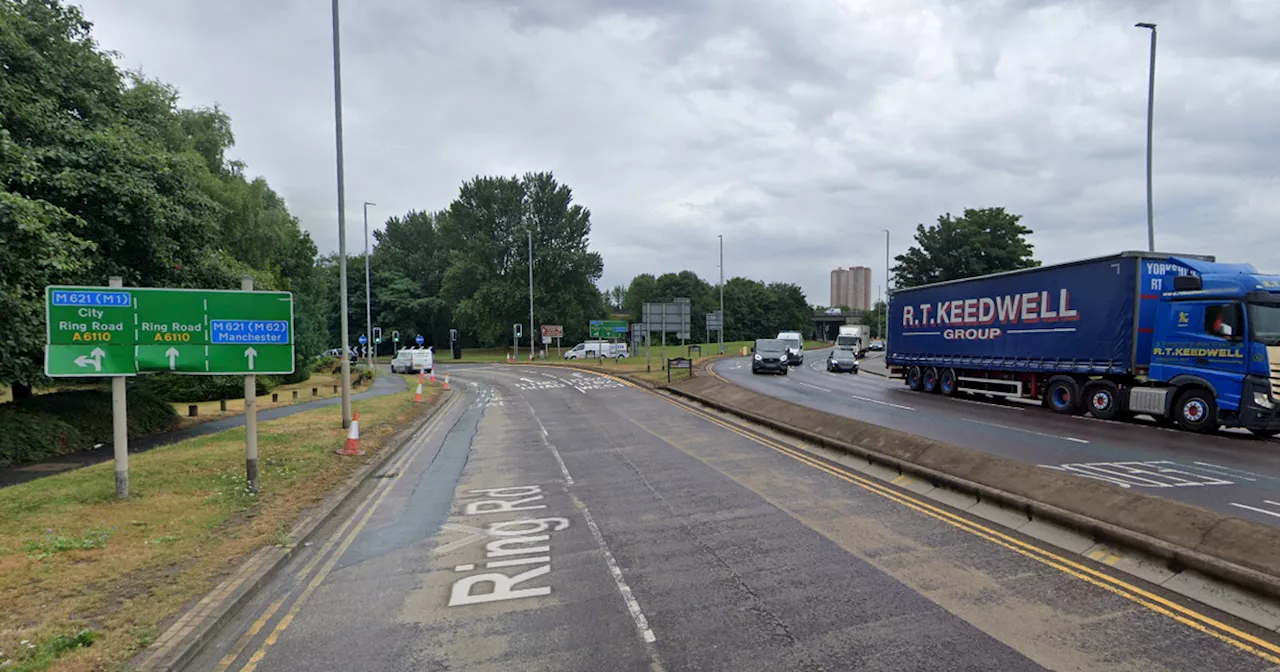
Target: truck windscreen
column 847, row 341
column 1265, row 320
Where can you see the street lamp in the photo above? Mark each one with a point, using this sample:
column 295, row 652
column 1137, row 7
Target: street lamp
column 342, row 223
column 721, row 236
column 1151, row 97
column 533, row 349
column 368, row 294
column 884, row 333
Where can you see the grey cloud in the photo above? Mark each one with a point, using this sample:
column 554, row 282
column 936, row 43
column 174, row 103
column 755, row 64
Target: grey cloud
column 798, row 129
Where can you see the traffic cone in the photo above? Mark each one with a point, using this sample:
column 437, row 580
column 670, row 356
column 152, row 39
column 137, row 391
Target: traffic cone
column 353, row 437
column 422, row 377
column 446, row 381
column 433, row 375
column 417, row 396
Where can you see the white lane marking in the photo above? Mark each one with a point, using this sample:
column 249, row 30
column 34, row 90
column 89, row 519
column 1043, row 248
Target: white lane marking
column 882, row 403
column 1254, row 508
column 642, row 623
column 814, row 386
column 1231, row 471
column 1019, row 429
column 546, row 440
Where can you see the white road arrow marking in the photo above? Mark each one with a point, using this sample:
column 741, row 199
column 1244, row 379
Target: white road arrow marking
column 94, row 359
column 172, row 354
column 250, row 353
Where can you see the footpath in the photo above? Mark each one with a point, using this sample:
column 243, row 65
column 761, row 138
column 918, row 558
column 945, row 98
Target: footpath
column 382, row 386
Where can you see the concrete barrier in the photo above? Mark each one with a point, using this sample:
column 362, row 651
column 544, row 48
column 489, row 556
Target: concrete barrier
column 1236, row 551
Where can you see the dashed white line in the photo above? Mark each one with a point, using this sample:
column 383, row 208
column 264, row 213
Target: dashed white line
column 546, row 440
column 1028, row 431
column 1254, row 508
column 882, row 403
column 642, row 623
column 814, row 386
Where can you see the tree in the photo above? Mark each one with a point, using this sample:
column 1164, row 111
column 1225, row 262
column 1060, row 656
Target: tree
column 981, row 241
column 486, row 276
column 874, row 318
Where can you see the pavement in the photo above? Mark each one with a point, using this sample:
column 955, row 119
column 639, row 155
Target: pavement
column 1231, row 472
column 559, row 520
column 382, row 385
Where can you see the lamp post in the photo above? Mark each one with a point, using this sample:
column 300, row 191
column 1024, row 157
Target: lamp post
column 533, row 348
column 884, row 334
column 368, row 294
column 1151, row 97
column 721, row 236
column 342, row 222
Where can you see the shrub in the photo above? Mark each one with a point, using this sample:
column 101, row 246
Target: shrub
column 191, row 389
column 48, row 425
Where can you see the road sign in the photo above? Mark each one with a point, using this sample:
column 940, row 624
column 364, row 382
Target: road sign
column 98, row 331
column 377, row 334
column 607, row 328
column 714, row 321
column 395, row 335
column 546, row 340
column 419, row 339
column 362, row 339
column 668, row 316
column 552, row 331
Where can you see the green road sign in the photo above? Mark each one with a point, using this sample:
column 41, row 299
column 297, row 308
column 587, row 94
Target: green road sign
column 98, row 331
column 607, row 329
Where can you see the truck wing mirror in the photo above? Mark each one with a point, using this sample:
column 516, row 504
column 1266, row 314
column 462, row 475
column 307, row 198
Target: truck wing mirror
column 1187, row 283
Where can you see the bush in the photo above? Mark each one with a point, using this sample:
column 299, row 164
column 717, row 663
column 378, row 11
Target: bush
column 191, row 389
column 327, row 365
column 301, row 373
column 48, row 425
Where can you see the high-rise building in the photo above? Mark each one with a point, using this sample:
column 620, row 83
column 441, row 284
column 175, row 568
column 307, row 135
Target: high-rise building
column 851, row 287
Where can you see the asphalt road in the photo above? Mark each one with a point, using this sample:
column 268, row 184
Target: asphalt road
column 550, row 520
column 1230, row 472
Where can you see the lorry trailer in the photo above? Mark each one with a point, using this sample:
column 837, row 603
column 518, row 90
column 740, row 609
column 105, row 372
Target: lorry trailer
column 1186, row 339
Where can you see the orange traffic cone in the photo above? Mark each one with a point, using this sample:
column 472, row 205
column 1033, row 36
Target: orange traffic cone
column 422, row 376
column 446, row 381
column 433, row 375
column 417, row 396
column 353, row 437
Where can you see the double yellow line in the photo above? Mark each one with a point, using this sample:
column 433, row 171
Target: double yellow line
column 343, row 539
column 1189, row 617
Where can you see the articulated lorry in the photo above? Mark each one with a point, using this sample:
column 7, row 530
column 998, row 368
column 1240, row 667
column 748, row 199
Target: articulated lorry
column 1185, row 339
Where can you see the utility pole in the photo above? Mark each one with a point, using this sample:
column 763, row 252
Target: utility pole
column 342, row 222
column 721, row 236
column 533, row 348
column 884, row 335
column 1151, row 98
column 368, row 294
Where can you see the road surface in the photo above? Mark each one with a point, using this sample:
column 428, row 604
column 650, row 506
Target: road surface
column 553, row 520
column 1230, row 472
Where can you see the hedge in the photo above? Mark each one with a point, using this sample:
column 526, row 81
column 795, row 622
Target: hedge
column 49, row 425
column 191, row 389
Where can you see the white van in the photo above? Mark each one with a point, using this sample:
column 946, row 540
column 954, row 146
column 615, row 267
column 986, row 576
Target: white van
column 413, row 360
column 794, row 344
column 596, row 350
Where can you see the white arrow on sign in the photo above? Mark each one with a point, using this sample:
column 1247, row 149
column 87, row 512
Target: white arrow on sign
column 250, row 353
column 94, row 359
column 172, row 354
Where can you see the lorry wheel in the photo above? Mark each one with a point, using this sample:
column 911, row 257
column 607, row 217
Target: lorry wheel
column 931, row 380
column 1196, row 411
column 1103, row 400
column 948, row 384
column 915, row 379
column 1062, row 396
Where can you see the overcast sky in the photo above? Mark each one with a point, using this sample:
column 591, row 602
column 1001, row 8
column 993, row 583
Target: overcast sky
column 799, row 129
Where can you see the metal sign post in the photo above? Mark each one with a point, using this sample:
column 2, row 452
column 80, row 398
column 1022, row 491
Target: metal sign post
column 94, row 332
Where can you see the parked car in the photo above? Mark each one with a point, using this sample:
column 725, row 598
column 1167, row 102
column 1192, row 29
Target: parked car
column 770, row 354
column 842, row 360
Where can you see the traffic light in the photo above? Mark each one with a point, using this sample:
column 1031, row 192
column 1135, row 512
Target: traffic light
column 377, row 334
column 519, row 331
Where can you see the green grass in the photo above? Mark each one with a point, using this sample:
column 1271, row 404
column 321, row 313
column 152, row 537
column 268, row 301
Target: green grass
column 73, row 558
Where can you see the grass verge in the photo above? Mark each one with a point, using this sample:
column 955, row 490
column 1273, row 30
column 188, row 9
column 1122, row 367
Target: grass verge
column 88, row 580
column 321, row 383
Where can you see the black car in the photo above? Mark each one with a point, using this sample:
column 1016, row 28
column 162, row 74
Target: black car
column 842, row 360
column 769, row 355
